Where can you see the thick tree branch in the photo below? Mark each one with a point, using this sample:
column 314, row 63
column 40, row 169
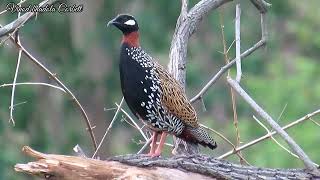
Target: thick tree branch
column 185, row 27
column 51, row 166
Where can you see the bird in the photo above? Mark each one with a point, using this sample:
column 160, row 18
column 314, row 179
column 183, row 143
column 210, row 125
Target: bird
column 152, row 94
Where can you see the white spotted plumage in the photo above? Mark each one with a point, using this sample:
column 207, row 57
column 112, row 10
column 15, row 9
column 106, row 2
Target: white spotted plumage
column 158, row 117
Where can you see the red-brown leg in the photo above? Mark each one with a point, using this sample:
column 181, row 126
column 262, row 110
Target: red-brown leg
column 161, row 144
column 153, row 143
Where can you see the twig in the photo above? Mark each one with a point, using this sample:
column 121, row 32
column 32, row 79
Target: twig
column 230, row 46
column 17, row 40
column 134, row 123
column 279, row 144
column 315, row 122
column 18, row 104
column 144, row 146
column 35, row 83
column 14, row 87
column 293, row 145
column 251, row 143
column 233, row 98
column 203, row 105
column 283, row 109
column 125, row 120
column 223, row 69
column 109, row 127
column 238, row 49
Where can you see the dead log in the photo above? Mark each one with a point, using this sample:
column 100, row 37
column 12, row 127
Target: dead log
column 52, row 166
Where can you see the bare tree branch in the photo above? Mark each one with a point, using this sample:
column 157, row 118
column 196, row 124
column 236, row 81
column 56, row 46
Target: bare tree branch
column 109, row 127
column 185, row 27
column 14, row 26
column 264, row 30
column 293, row 145
column 145, row 146
column 224, row 69
column 134, row 123
column 35, row 83
column 251, row 143
column 5, row 30
column 315, row 122
column 279, row 144
column 17, row 40
column 261, row 43
column 57, row 80
column 233, row 98
column 183, row 13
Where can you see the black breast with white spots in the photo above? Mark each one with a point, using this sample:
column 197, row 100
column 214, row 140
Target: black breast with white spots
column 142, row 91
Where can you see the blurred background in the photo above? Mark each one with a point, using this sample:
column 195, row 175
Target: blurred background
column 283, row 76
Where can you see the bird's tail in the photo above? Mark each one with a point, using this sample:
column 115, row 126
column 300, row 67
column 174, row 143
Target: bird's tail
column 198, row 135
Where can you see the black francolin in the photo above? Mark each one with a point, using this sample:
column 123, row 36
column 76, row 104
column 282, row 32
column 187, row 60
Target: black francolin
column 152, row 94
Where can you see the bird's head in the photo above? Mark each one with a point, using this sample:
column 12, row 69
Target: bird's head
column 126, row 23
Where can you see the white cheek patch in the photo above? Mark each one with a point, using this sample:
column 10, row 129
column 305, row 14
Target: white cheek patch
column 130, row 22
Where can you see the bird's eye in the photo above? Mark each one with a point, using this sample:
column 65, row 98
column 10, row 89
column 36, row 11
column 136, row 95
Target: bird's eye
column 130, row 22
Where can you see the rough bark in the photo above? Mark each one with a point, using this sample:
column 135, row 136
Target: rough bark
column 51, row 166
column 187, row 24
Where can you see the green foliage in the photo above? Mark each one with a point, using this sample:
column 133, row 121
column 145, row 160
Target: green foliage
column 284, row 73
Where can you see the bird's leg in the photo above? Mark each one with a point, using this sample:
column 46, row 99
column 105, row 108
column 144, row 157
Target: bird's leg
column 161, row 144
column 153, row 143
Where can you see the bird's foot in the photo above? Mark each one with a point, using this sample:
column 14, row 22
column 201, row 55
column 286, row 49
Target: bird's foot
column 155, row 154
